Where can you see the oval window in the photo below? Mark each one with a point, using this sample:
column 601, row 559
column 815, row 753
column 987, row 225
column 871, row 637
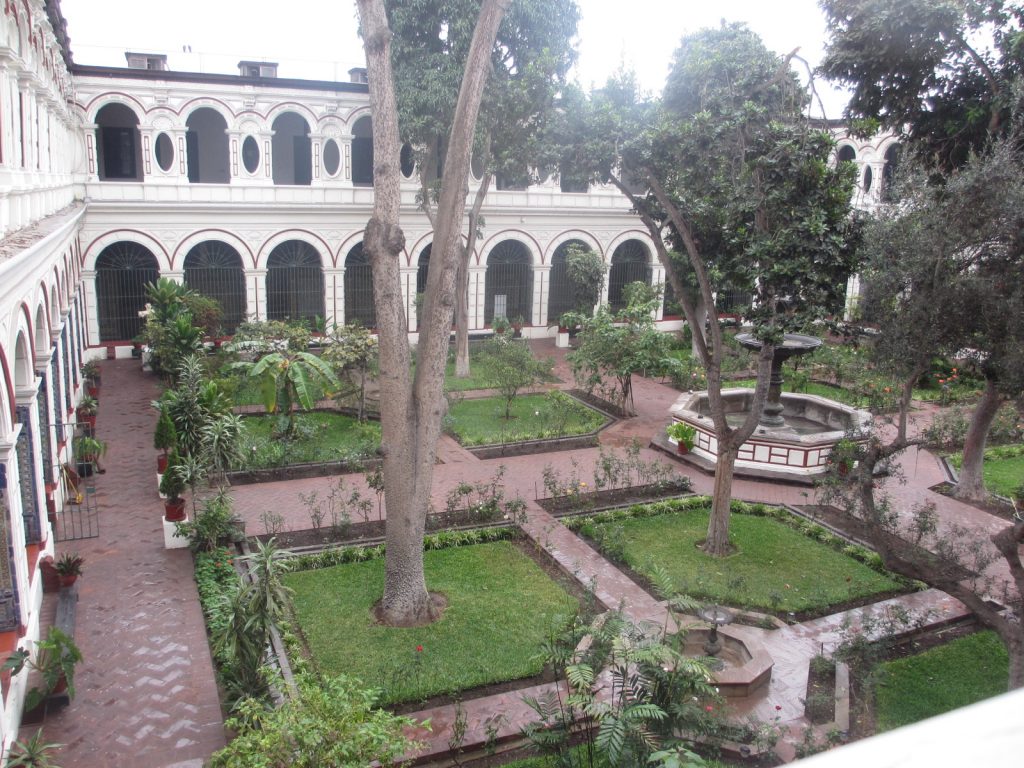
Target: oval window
column 332, row 157
column 868, row 178
column 406, row 160
column 250, row 154
column 164, row 152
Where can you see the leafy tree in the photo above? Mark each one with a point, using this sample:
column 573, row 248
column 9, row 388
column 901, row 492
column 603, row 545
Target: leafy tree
column 352, row 353
column 923, row 69
column 615, row 346
column 528, row 65
column 331, row 721
column 726, row 169
column 512, row 367
column 290, row 379
column 412, row 398
column 585, row 271
column 934, row 260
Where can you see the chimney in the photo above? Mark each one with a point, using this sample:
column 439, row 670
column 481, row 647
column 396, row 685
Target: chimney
column 154, row 61
column 357, row 75
column 257, row 68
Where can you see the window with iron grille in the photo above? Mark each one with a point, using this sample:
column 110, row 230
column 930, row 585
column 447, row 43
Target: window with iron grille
column 630, row 264
column 359, row 306
column 123, row 270
column 509, row 282
column 214, row 269
column 560, row 298
column 295, row 282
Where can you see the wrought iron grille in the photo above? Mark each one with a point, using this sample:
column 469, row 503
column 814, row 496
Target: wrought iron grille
column 67, row 371
column 509, row 283
column 25, row 448
column 731, row 301
column 45, row 420
column 421, row 269
column 295, row 282
column 9, row 614
column 560, row 297
column 359, row 304
column 122, row 272
column 214, row 269
column 79, row 518
column 630, row 264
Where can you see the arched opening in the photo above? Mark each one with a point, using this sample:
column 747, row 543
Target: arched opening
column 362, row 153
column 119, row 153
column 42, row 331
column 630, row 264
column 560, row 297
column 291, row 149
column 206, row 145
column 214, row 269
column 123, row 270
column 846, row 153
column 892, row 164
column 295, row 282
column 23, row 369
column 509, row 283
column 359, row 304
column 421, row 269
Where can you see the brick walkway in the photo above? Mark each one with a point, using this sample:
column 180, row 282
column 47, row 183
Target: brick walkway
column 146, row 691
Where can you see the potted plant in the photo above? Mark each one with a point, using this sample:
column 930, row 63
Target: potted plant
column 88, row 451
column 55, row 660
column 517, row 325
column 171, row 486
column 33, row 752
column 87, row 411
column 500, row 325
column 91, row 374
column 683, row 434
column 69, row 567
column 164, row 438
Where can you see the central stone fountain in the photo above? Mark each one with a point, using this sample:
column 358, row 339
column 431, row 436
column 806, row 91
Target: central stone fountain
column 795, row 433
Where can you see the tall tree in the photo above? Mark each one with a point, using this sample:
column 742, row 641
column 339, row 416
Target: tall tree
column 727, row 170
column 939, row 72
column 412, row 402
column 529, row 62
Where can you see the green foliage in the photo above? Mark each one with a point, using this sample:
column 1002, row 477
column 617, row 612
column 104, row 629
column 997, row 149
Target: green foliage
column 316, row 437
column 329, row 721
column 500, row 604
column 612, row 347
column 192, row 404
column 172, row 483
column 33, row 752
column 940, row 680
column 289, row 380
column 482, row 421
column 585, row 270
column 512, row 367
column 352, row 353
column 212, row 526
column 260, row 337
column 170, row 331
column 682, row 433
column 164, row 438
column 55, row 659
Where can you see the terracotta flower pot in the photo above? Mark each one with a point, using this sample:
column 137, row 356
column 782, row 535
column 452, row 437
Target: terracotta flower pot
column 161, row 463
column 66, row 580
column 681, row 448
column 174, row 510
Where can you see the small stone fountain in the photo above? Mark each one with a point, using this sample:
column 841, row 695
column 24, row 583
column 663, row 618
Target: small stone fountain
column 795, row 433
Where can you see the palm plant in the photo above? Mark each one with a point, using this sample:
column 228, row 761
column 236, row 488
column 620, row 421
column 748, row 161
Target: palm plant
column 288, row 379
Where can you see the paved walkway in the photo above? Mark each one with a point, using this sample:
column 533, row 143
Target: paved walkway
column 146, row 691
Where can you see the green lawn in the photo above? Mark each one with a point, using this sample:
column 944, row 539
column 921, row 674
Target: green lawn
column 840, row 395
column 501, row 606
column 776, row 567
column 1003, row 471
column 322, row 436
column 482, row 421
column 953, row 675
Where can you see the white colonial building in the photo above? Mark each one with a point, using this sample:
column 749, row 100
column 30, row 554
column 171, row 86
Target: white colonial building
column 250, row 188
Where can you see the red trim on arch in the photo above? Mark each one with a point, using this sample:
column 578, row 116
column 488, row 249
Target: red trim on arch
column 9, row 381
column 31, row 335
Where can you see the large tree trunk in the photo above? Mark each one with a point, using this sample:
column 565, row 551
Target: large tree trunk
column 717, row 542
column 971, row 486
column 462, row 290
column 412, row 409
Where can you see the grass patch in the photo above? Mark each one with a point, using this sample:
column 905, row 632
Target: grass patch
column 776, row 567
column 942, row 679
column 501, row 606
column 320, row 436
column 829, row 391
column 1003, row 468
column 482, row 421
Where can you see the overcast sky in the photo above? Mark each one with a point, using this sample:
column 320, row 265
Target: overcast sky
column 317, row 39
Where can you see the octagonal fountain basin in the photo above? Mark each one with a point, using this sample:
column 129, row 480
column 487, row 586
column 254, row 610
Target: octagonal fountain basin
column 797, row 450
column 745, row 666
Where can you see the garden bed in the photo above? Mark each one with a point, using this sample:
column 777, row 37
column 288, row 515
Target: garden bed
column 301, row 471
column 479, row 423
column 581, row 503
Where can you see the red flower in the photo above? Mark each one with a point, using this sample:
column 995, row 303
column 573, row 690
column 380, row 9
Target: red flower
column 709, row 708
column 778, row 707
column 419, row 649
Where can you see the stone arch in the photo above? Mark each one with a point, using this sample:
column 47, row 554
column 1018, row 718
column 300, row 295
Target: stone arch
column 295, row 282
column 846, row 153
column 93, row 250
column 206, row 147
column 528, row 242
column 630, row 262
column 118, row 148
column 6, row 396
column 54, row 308
column 214, row 268
column 291, row 149
column 422, row 265
column 360, row 305
column 508, row 290
column 24, row 367
column 362, row 151
column 560, row 292
column 42, row 326
column 123, row 270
